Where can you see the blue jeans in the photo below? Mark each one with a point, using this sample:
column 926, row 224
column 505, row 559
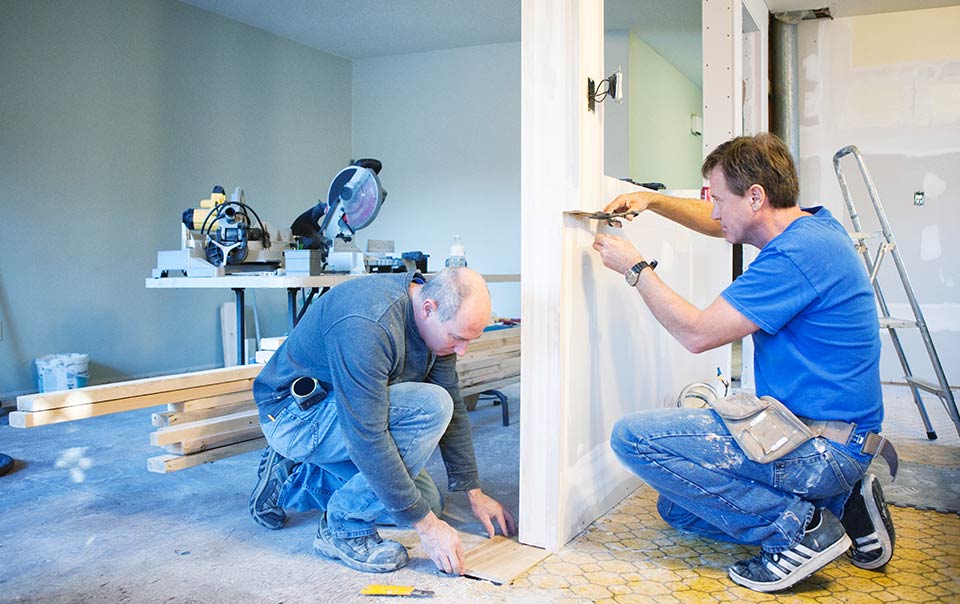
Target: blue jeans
column 709, row 487
column 327, row 479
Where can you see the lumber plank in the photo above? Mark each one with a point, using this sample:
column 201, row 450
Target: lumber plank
column 501, row 560
column 489, row 386
column 222, row 400
column 172, row 418
column 163, row 464
column 204, row 428
column 32, row 419
column 271, row 343
column 190, row 447
column 46, row 401
column 147, row 400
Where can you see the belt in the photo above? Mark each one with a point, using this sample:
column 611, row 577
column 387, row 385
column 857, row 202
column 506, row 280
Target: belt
column 844, row 433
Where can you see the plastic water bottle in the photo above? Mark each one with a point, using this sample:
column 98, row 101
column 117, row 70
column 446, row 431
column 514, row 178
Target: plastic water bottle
column 458, row 256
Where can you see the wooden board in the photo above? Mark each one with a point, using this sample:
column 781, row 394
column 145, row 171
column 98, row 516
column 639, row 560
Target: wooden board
column 172, row 418
column 163, row 464
column 214, row 441
column 205, row 428
column 501, row 560
column 106, row 392
column 489, row 386
column 210, row 402
column 32, row 419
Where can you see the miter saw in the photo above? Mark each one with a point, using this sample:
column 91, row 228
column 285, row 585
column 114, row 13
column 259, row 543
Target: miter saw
column 225, row 236
column 357, row 192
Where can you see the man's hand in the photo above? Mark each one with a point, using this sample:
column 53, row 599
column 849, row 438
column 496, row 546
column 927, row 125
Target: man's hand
column 637, row 201
column 616, row 252
column 442, row 543
column 487, row 509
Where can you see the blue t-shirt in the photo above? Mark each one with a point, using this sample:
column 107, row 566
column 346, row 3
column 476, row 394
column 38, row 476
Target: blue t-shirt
column 818, row 347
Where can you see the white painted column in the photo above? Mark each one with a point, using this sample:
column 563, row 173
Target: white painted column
column 561, row 169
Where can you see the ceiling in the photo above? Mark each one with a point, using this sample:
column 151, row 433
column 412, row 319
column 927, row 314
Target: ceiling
column 358, row 29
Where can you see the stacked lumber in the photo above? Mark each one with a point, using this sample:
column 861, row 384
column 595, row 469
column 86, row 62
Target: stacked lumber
column 210, row 414
column 69, row 405
column 492, row 361
column 204, row 430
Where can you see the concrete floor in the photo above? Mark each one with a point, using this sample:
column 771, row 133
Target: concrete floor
column 82, row 521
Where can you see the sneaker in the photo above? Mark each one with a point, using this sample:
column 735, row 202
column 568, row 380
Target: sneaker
column 867, row 520
column 821, row 545
column 369, row 553
column 273, row 471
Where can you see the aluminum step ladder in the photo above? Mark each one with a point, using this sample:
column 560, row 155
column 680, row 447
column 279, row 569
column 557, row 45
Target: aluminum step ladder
column 887, row 322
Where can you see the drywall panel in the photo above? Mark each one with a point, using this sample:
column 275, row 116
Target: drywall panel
column 902, row 109
column 616, row 358
column 591, row 351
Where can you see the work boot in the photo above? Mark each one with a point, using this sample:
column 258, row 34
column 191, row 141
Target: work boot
column 822, row 543
column 273, row 471
column 867, row 520
column 369, row 553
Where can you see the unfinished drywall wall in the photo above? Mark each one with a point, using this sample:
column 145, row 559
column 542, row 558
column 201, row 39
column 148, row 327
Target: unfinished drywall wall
column 446, row 125
column 890, row 84
column 116, row 116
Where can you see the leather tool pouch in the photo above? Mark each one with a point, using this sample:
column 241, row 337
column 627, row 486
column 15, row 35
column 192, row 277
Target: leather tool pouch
column 763, row 427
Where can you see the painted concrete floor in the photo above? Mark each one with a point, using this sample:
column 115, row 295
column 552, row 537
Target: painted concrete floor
column 82, row 521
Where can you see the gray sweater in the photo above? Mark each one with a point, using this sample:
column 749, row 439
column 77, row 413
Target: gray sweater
column 358, row 339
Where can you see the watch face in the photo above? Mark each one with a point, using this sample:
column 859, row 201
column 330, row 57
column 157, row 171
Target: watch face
column 632, row 276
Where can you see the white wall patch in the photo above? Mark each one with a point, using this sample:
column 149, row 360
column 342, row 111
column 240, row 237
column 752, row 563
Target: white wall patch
column 930, row 243
column 933, row 186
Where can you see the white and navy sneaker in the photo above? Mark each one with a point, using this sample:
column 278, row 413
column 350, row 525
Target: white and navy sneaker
column 823, row 542
column 867, row 521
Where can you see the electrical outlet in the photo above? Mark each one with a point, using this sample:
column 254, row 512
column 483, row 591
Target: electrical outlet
column 918, row 198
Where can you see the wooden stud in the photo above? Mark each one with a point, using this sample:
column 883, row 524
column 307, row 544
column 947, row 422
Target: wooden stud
column 214, row 441
column 205, row 428
column 172, row 418
column 32, row 419
column 163, row 464
column 134, row 388
column 223, row 400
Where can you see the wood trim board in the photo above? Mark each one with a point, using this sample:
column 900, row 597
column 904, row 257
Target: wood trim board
column 501, row 560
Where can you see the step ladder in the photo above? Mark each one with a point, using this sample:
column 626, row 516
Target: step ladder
column 887, row 322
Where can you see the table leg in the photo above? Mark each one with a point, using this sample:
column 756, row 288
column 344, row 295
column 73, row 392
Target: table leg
column 241, row 339
column 292, row 305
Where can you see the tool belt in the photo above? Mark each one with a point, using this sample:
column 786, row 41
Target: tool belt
column 767, row 430
column 844, row 433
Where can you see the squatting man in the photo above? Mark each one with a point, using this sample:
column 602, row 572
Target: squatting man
column 809, row 307
column 354, row 403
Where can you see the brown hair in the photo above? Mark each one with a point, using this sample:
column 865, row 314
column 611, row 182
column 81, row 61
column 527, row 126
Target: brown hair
column 757, row 160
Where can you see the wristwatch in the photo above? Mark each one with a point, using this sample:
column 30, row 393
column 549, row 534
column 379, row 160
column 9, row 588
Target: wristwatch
column 632, row 274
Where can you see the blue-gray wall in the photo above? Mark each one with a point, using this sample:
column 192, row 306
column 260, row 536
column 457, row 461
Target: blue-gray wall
column 115, row 115
column 446, row 125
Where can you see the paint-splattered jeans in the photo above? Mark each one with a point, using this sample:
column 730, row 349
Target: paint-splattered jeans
column 708, row 486
column 327, row 479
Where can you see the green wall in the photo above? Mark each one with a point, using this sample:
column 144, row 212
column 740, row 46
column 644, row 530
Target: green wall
column 661, row 100
column 115, row 115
